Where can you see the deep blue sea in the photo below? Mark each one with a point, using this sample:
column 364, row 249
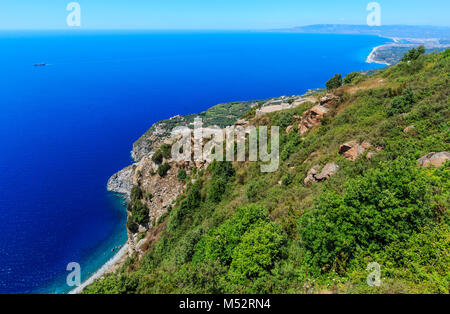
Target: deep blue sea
column 67, row 127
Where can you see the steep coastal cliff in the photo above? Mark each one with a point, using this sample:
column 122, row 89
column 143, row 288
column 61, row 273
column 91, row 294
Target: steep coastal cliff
column 163, row 191
column 221, row 115
column 122, row 182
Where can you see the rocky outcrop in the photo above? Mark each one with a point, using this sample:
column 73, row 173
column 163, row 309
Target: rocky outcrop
column 158, row 194
column 163, row 190
column 352, row 150
column 242, row 122
column 372, row 154
column 434, row 159
column 327, row 171
column 150, row 141
column 311, row 118
column 122, row 181
column 329, row 100
column 313, row 174
column 289, row 129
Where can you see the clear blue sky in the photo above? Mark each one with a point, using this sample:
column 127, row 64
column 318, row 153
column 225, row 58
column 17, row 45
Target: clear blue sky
column 216, row 14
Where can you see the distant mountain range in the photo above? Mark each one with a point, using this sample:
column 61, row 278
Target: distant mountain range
column 401, row 31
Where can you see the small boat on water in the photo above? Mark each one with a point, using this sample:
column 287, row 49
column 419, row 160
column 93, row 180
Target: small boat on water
column 40, row 64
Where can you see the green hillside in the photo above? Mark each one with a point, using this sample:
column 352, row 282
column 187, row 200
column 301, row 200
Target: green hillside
column 238, row 230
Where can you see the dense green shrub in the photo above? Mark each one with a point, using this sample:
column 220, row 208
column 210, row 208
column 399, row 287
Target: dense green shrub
column 221, row 173
column 140, row 212
column 221, row 242
column 353, row 78
column 166, row 151
column 182, row 175
column 334, row 82
column 418, row 265
column 286, row 179
column 113, row 284
column 402, row 104
column 414, row 54
column 254, row 190
column 158, row 157
column 223, row 169
column 187, row 206
column 387, row 204
column 247, row 242
column 292, row 141
column 216, row 189
column 283, row 119
column 205, row 277
column 132, row 226
column 136, row 193
column 257, row 253
column 148, row 196
column 162, row 169
column 186, row 248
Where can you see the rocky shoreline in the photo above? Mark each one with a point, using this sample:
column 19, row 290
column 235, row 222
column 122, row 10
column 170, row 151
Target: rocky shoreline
column 122, row 181
column 110, row 266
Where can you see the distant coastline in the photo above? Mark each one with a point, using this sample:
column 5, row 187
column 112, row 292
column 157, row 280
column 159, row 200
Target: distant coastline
column 405, row 37
column 372, row 58
column 392, row 53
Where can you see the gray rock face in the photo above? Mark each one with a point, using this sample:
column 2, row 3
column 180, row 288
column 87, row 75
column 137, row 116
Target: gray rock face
column 352, row 150
column 141, row 149
column 327, row 171
column 434, row 159
column 150, row 141
column 329, row 99
column 122, row 181
column 311, row 175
